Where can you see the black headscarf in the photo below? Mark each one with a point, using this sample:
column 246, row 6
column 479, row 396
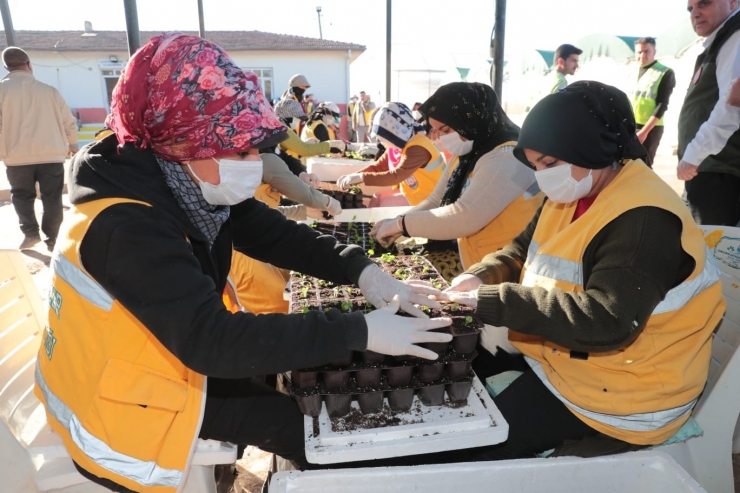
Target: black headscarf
column 588, row 124
column 472, row 110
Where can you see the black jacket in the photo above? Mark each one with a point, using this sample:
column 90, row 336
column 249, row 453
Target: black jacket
column 164, row 271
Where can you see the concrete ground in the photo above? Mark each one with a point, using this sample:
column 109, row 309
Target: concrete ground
column 255, row 464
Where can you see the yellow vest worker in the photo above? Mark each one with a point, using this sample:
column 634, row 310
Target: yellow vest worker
column 418, row 186
column 625, row 394
column 127, row 387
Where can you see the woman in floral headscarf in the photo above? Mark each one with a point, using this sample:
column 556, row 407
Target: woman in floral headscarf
column 484, row 198
column 410, row 162
column 145, row 349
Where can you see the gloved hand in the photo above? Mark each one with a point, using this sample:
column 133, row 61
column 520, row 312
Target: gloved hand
column 346, row 181
column 333, row 206
column 379, row 288
column 314, row 213
column 310, row 179
column 337, row 144
column 394, row 335
column 464, row 282
column 467, row 298
column 353, row 146
column 388, row 231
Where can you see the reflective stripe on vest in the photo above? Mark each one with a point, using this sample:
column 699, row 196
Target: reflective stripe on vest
column 569, row 271
column 83, row 284
column 563, row 270
column 147, row 473
column 632, row 422
column 435, row 164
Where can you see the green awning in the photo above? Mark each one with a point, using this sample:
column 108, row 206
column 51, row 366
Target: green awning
column 606, row 45
column 676, row 39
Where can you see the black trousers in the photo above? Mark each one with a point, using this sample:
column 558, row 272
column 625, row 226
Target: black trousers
column 23, row 179
column 249, row 412
column 714, row 198
column 651, row 142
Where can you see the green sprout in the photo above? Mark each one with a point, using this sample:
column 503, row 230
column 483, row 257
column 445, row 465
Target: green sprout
column 455, row 307
column 335, row 291
column 326, row 310
column 388, row 258
column 468, row 320
column 347, row 306
column 304, row 309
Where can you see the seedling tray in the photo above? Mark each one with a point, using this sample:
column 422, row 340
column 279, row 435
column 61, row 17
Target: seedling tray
column 423, row 429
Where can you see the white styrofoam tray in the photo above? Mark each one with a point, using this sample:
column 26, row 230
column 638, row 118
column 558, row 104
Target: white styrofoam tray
column 331, row 168
column 646, row 471
column 373, row 214
column 425, row 430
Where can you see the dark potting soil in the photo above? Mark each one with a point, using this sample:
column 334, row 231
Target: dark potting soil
column 355, row 420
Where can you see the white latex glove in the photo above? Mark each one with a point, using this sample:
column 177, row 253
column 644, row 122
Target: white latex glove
column 392, row 334
column 388, row 232
column 346, row 181
column 467, row 298
column 333, row 206
column 379, row 288
column 464, row 282
column 354, row 146
column 310, row 179
column 338, row 144
column 376, row 227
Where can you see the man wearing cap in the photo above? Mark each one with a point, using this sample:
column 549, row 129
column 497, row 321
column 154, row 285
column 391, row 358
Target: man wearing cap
column 650, row 96
column 37, row 131
column 297, row 86
column 708, row 135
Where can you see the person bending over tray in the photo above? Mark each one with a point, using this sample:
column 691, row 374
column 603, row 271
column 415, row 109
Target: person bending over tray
column 141, row 356
column 410, row 162
column 610, row 293
column 485, row 198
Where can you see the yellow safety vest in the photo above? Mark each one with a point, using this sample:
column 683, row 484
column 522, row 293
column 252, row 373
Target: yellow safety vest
column 421, row 183
column 308, row 130
column 502, row 228
column 126, row 408
column 644, row 392
column 644, row 94
column 265, row 193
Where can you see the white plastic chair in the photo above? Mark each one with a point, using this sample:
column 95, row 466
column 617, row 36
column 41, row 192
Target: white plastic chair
column 33, row 456
column 709, row 458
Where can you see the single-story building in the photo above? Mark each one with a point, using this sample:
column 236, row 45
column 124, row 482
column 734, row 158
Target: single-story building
column 85, row 65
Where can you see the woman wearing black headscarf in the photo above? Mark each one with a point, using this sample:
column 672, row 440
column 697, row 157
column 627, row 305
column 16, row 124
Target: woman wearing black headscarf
column 486, row 199
column 609, row 293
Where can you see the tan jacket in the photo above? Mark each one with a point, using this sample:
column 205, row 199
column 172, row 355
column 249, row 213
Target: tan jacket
column 36, row 125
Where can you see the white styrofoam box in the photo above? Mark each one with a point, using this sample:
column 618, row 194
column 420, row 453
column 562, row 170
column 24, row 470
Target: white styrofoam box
column 331, row 168
column 426, row 430
column 369, row 214
column 647, row 471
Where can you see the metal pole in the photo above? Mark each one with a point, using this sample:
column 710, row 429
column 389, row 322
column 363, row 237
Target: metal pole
column 201, row 21
column 497, row 48
column 132, row 26
column 7, row 23
column 388, row 15
column 318, row 11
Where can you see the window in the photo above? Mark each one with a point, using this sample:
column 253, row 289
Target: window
column 265, row 77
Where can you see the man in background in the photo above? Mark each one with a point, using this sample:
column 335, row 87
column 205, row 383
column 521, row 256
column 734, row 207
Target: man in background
column 37, row 132
column 566, row 63
column 708, row 136
column 361, row 119
column 650, row 96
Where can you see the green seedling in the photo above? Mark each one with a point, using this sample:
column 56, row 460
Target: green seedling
column 304, row 309
column 371, row 252
column 468, row 320
column 455, row 307
column 347, row 306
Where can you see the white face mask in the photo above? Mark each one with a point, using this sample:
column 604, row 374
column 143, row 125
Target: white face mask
column 560, row 186
column 238, row 182
column 416, row 115
column 455, row 145
column 328, row 120
column 294, row 123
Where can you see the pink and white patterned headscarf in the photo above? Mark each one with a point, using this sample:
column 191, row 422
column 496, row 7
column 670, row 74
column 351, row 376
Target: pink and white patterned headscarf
column 184, row 98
